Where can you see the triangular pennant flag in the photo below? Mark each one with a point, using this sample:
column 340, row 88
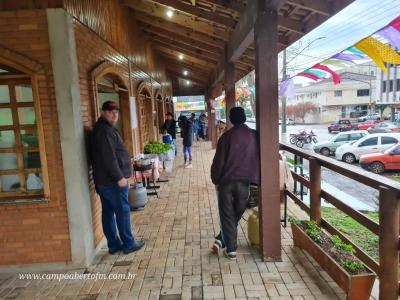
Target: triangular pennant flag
column 286, row 88
column 378, row 52
column 391, row 34
column 313, row 77
column 316, row 73
column 335, row 76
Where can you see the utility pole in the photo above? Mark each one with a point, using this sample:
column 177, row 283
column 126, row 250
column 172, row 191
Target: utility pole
column 283, row 123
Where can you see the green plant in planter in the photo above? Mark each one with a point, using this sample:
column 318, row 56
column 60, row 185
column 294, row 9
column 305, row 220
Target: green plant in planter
column 338, row 244
column 157, row 148
column 352, row 266
column 314, row 232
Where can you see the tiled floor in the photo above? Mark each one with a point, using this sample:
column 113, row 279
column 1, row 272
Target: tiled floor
column 177, row 262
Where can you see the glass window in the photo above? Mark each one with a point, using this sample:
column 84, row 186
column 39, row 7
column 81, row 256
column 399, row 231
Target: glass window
column 4, row 94
column 23, row 93
column 338, row 93
column 384, row 86
column 31, row 160
column 363, row 92
column 10, row 183
column 29, row 138
column 8, row 161
column 396, row 151
column 7, row 139
column 34, row 182
column 387, row 140
column 391, row 86
column 26, row 115
column 342, row 138
column 398, row 85
column 356, row 136
column 370, row 142
column 5, row 117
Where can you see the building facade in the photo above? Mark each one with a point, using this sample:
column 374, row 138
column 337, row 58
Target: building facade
column 59, row 61
column 349, row 99
column 388, row 86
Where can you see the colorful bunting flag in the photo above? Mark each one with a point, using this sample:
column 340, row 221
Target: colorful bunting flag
column 334, row 62
column 355, row 51
column 245, row 91
column 335, row 76
column 286, row 88
column 391, row 35
column 378, row 52
column 319, row 74
column 395, row 23
column 348, row 57
column 313, row 77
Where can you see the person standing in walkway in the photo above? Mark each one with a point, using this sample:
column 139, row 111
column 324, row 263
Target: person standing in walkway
column 111, row 163
column 236, row 165
column 187, row 129
column 195, row 127
column 170, row 128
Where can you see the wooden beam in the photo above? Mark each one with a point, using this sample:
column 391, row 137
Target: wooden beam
column 235, row 5
column 291, row 25
column 179, row 69
column 267, row 103
column 179, row 30
column 192, row 79
column 230, row 91
column 198, row 12
column 165, row 34
column 159, row 11
column 172, row 60
column 187, row 57
column 186, row 50
column 319, row 7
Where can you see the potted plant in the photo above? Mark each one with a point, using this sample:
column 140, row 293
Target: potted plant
column 336, row 258
column 160, row 149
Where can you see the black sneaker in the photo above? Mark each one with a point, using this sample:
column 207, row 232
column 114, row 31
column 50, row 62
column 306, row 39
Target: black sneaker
column 230, row 255
column 138, row 246
column 217, row 246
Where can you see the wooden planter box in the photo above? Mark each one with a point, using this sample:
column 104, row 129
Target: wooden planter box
column 357, row 287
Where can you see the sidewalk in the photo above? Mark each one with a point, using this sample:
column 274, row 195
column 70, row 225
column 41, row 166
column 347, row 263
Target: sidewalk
column 177, row 262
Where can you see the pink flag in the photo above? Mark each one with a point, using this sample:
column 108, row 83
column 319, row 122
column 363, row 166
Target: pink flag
column 396, row 23
column 335, row 76
column 313, row 77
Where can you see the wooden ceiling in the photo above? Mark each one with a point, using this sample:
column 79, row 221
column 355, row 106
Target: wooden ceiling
column 203, row 30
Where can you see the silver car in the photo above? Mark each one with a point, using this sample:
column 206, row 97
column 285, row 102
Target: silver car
column 384, row 127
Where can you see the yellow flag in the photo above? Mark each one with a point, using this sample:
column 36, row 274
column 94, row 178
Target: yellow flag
column 378, row 52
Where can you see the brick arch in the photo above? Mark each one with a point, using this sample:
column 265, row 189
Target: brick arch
column 20, row 62
column 108, row 67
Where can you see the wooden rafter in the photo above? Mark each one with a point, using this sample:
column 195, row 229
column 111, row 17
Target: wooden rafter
column 235, row 5
column 186, row 50
column 173, row 38
column 174, row 28
column 184, row 67
column 169, row 59
column 186, row 57
column 198, row 12
column 190, row 22
column 320, row 7
column 192, row 78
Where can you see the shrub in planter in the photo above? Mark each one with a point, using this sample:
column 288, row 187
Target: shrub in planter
column 336, row 258
column 157, row 148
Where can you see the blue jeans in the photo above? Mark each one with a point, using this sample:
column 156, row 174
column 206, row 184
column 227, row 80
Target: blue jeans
column 187, row 153
column 116, row 211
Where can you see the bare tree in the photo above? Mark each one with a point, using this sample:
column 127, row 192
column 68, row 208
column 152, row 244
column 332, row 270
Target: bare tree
column 303, row 108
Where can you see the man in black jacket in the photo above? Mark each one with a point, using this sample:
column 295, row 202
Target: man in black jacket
column 170, row 128
column 236, row 164
column 111, row 168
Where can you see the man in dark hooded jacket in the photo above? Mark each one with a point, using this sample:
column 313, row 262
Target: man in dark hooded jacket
column 236, row 164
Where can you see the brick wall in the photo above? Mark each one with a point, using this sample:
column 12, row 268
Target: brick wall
column 36, row 233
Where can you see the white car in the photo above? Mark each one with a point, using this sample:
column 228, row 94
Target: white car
column 371, row 143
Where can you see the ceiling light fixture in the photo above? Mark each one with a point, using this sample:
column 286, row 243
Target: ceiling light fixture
column 181, row 56
column 170, row 13
column 187, row 82
column 185, row 73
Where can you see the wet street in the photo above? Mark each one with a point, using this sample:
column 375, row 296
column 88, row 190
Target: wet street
column 343, row 184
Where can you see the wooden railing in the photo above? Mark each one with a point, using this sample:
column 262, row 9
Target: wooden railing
column 387, row 230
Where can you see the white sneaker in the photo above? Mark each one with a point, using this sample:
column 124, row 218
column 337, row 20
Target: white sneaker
column 188, row 166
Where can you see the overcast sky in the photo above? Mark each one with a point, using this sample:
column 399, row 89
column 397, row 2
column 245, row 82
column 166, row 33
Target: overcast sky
column 357, row 21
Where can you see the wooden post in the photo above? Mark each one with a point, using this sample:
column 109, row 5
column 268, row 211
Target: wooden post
column 266, row 68
column 230, row 92
column 315, row 190
column 388, row 244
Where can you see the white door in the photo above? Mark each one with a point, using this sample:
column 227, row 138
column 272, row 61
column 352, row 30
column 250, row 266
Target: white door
column 367, row 146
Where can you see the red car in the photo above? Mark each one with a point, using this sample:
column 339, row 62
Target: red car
column 381, row 161
column 367, row 124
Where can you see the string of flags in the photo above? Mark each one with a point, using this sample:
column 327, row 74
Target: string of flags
column 367, row 48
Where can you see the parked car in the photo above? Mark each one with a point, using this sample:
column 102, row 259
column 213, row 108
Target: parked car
column 341, row 125
column 379, row 162
column 288, row 122
column 367, row 124
column 396, row 116
column 371, row 143
column 329, row 147
column 384, row 127
column 369, row 117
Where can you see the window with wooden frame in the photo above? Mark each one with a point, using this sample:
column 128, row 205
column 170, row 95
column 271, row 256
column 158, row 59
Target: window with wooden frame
column 21, row 173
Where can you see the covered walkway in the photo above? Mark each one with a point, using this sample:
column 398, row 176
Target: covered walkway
column 177, row 262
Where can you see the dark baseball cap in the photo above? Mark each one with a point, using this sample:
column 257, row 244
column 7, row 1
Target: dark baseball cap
column 110, row 105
